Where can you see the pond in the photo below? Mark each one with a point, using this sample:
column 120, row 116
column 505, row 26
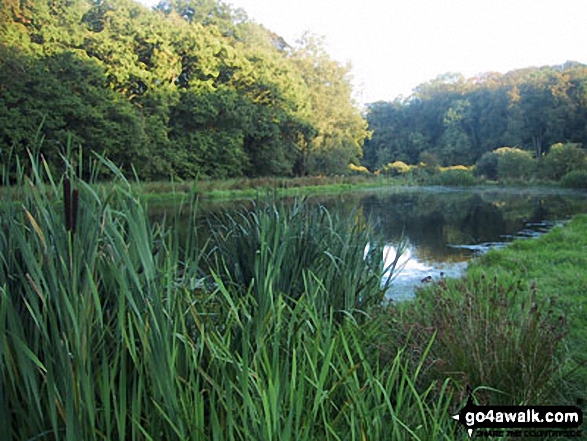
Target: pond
column 445, row 227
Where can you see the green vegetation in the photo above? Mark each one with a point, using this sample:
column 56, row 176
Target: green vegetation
column 454, row 178
column 113, row 327
column 196, row 89
column 495, row 336
column 452, row 120
column 575, row 179
column 514, row 329
column 191, row 88
column 116, row 327
column 556, row 263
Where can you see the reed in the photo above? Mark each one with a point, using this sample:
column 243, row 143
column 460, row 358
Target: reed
column 115, row 327
column 299, row 249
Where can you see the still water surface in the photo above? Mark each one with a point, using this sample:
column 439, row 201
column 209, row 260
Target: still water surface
column 445, row 227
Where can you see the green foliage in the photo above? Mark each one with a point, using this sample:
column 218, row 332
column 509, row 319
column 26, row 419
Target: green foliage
column 191, row 88
column 340, row 128
column 575, row 179
column 556, row 262
column 562, row 159
column 255, row 249
column 112, row 328
column 491, row 335
column 454, row 178
column 487, row 165
column 514, row 163
column 458, row 120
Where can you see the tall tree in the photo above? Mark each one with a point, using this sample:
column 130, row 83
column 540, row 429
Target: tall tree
column 341, row 130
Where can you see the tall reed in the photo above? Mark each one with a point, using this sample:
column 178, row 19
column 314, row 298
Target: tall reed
column 300, row 249
column 114, row 327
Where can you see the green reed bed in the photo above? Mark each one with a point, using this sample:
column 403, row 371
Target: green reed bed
column 113, row 327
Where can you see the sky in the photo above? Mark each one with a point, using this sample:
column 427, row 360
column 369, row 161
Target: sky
column 395, row 45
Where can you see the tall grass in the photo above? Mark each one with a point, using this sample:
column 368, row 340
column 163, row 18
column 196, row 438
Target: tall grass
column 113, row 327
column 493, row 335
column 299, row 249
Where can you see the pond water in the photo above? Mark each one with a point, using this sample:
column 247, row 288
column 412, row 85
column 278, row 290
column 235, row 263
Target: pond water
column 445, row 227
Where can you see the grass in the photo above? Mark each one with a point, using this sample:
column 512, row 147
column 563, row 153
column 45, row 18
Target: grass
column 114, row 327
column 514, row 330
column 244, row 188
column 556, row 263
column 493, row 335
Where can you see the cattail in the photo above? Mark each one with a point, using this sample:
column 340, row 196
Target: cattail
column 70, row 200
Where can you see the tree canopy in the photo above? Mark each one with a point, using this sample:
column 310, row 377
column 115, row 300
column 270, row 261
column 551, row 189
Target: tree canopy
column 452, row 120
column 192, row 87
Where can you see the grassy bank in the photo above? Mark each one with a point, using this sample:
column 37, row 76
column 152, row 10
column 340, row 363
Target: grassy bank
column 514, row 329
column 244, row 188
column 556, row 264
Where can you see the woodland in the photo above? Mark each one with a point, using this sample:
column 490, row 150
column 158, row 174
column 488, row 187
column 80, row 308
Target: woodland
column 453, row 120
column 194, row 88
column 189, row 88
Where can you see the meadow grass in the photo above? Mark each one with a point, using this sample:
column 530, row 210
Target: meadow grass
column 116, row 327
column 247, row 188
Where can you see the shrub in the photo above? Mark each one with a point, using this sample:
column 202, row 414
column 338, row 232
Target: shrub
column 455, row 167
column 396, row 168
column 487, row 165
column 490, row 333
column 514, row 163
column 454, row 178
column 562, row 159
column 360, row 169
column 575, row 179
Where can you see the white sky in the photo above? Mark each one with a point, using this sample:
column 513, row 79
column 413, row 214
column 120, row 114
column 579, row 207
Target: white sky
column 394, row 45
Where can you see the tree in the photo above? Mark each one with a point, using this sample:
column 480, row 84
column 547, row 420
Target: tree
column 513, row 163
column 457, row 121
column 539, row 106
column 562, row 159
column 341, row 130
column 456, row 146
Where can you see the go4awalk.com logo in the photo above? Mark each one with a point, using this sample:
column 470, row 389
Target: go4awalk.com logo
column 521, row 421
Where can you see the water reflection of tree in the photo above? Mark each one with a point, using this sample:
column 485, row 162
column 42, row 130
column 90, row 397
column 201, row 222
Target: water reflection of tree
column 431, row 220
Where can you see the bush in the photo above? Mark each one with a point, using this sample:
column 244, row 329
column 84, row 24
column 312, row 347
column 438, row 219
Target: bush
column 486, row 166
column 562, row 159
column 514, row 163
column 396, row 168
column 454, row 178
column 575, row 179
column 359, row 169
column 455, row 167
